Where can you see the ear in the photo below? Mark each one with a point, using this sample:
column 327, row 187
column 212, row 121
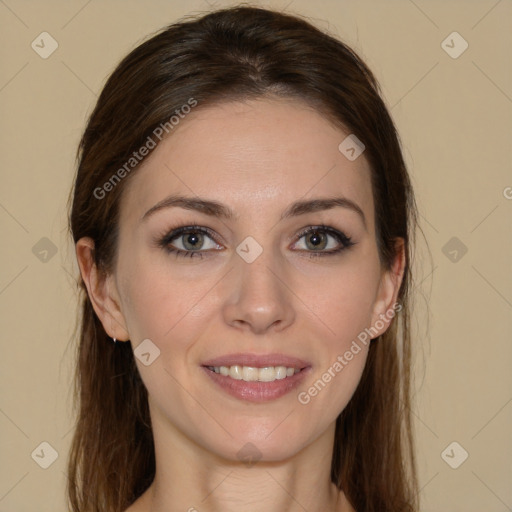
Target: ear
column 385, row 306
column 102, row 291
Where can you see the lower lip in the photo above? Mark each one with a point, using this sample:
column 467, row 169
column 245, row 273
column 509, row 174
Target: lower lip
column 257, row 391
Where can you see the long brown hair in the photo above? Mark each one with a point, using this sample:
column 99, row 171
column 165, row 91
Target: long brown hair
column 230, row 54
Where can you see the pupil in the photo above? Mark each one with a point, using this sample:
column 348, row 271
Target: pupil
column 316, row 239
column 192, row 240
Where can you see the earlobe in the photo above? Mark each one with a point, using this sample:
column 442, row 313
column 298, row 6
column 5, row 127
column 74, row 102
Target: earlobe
column 386, row 304
column 101, row 291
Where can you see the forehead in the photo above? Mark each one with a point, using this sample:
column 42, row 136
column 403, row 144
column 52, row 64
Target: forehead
column 255, row 156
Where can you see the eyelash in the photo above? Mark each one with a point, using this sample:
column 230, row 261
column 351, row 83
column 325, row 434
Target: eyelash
column 165, row 241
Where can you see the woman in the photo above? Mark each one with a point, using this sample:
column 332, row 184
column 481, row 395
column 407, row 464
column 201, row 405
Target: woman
column 243, row 222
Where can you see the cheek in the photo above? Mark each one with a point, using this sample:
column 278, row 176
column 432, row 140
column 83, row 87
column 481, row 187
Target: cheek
column 330, row 388
column 161, row 304
column 343, row 300
column 343, row 304
column 147, row 301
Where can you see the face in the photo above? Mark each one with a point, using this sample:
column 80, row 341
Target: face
column 268, row 286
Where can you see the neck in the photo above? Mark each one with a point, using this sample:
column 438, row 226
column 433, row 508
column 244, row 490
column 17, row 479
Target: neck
column 193, row 479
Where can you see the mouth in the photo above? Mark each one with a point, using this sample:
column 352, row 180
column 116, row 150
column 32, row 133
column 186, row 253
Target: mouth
column 256, row 378
column 255, row 374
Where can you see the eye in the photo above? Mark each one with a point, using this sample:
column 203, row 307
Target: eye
column 316, row 240
column 190, row 241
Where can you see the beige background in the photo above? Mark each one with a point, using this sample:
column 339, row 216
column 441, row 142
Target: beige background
column 455, row 120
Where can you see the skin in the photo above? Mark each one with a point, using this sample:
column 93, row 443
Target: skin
column 257, row 157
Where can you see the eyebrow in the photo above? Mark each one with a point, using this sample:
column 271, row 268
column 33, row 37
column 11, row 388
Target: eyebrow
column 216, row 209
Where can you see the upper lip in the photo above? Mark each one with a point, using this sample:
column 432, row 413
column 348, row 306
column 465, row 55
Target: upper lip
column 257, row 360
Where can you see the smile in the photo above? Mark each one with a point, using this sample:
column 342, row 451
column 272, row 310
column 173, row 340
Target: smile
column 254, row 384
column 252, row 374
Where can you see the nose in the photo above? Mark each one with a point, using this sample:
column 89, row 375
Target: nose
column 259, row 299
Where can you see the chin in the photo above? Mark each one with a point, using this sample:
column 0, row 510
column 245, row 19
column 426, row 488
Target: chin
column 260, row 443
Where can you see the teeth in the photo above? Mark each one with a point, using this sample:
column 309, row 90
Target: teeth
column 252, row 374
